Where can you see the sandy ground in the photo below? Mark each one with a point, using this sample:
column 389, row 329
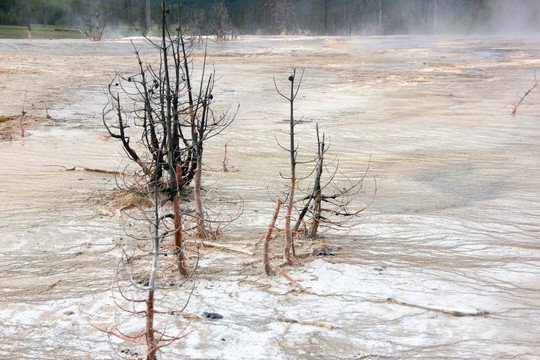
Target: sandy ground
column 454, row 226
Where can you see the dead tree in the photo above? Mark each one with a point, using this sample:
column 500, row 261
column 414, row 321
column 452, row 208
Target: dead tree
column 329, row 202
column 169, row 113
column 292, row 149
column 94, row 24
column 219, row 22
column 143, row 272
column 326, row 201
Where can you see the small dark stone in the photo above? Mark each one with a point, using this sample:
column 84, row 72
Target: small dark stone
column 223, row 340
column 213, row 316
column 325, row 252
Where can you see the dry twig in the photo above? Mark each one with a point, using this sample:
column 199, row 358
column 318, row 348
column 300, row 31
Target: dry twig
column 523, row 97
column 23, row 112
column 225, row 247
column 304, row 322
column 447, row 312
column 281, row 272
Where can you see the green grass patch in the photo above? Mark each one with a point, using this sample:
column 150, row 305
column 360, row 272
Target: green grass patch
column 38, row 32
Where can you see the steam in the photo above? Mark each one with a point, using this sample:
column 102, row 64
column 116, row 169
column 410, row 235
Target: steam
column 309, row 17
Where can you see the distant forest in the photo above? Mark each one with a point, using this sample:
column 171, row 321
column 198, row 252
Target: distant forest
column 317, row 17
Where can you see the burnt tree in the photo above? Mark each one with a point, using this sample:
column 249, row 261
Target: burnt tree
column 293, row 151
column 168, row 113
column 327, row 201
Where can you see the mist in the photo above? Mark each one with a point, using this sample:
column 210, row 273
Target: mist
column 293, row 17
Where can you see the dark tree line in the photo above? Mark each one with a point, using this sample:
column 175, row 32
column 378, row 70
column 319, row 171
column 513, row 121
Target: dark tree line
column 341, row 17
column 75, row 12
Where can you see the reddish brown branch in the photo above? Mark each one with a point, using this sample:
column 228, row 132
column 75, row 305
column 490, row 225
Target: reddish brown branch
column 150, row 339
column 281, row 272
column 267, row 238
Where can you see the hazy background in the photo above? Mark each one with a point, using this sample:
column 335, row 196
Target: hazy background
column 333, row 17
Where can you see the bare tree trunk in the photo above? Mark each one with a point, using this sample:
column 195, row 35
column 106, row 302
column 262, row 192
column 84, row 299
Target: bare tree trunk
column 435, row 16
column 151, row 346
column 23, row 113
column 267, row 237
column 168, row 119
column 380, row 17
column 178, row 235
column 201, row 226
column 289, row 246
column 148, row 19
column 198, row 139
column 150, row 339
column 288, row 231
column 317, row 192
column 326, row 5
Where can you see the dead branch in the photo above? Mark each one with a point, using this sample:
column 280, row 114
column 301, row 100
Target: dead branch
column 446, row 312
column 523, row 97
column 304, row 322
column 101, row 171
column 224, row 247
column 281, row 272
column 267, row 238
column 84, row 168
column 225, row 160
column 23, row 112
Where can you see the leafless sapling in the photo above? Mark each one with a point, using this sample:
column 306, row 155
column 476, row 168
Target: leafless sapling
column 326, row 202
column 293, row 151
column 143, row 274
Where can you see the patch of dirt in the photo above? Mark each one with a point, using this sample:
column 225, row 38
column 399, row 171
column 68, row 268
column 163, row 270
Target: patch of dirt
column 12, row 127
